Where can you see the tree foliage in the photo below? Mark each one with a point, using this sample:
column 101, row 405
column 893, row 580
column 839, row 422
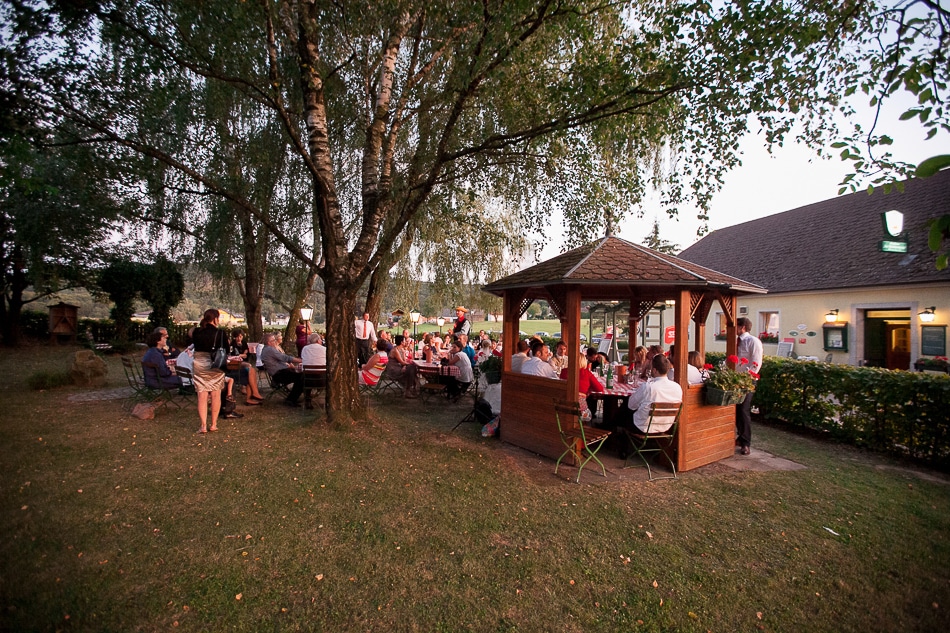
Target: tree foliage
column 390, row 110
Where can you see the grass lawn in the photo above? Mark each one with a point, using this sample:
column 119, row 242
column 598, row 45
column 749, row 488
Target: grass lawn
column 278, row 523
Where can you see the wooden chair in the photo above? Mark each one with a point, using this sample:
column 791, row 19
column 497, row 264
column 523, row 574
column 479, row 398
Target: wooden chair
column 660, row 415
column 579, row 440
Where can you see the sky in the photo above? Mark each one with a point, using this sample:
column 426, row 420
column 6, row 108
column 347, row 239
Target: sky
column 791, row 177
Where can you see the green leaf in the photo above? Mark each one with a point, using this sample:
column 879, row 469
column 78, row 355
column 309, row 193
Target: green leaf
column 909, row 114
column 941, row 262
column 932, row 165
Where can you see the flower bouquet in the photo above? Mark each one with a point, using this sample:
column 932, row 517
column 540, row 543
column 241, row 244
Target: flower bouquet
column 768, row 337
column 727, row 386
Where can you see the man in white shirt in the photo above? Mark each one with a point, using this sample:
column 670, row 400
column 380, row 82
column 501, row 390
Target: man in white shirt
column 365, row 338
column 518, row 359
column 457, row 386
column 749, row 351
column 314, row 353
column 658, row 389
column 537, row 364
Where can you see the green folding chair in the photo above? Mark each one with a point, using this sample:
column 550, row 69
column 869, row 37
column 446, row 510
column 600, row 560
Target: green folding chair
column 578, row 440
column 661, row 415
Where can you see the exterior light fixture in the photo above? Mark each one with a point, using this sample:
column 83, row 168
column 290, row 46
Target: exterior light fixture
column 832, row 316
column 414, row 316
column 441, row 322
column 306, row 312
column 927, row 316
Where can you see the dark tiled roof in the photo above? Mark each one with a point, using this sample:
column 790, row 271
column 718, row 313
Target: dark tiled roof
column 832, row 244
column 612, row 260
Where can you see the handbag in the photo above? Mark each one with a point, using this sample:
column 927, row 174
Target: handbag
column 219, row 355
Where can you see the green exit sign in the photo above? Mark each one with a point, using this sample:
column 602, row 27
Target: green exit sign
column 892, row 246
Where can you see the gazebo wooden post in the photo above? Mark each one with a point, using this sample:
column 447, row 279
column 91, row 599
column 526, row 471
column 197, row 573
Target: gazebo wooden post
column 680, row 374
column 512, row 316
column 729, row 305
column 571, row 333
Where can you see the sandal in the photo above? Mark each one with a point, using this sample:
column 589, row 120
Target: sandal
column 252, row 403
column 213, row 429
column 202, row 431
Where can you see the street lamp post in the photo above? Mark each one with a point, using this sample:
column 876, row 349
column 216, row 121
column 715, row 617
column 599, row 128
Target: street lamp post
column 306, row 312
column 441, row 322
column 414, row 315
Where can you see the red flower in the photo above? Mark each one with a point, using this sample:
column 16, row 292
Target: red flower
column 708, row 366
column 754, row 375
column 732, row 359
column 744, row 361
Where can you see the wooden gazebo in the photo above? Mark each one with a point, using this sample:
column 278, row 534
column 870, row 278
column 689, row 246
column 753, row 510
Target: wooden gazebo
column 612, row 269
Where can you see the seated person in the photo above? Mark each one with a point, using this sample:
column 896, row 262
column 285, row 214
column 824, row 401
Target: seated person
column 387, row 341
column 537, row 364
column 595, row 360
column 165, row 346
column 313, row 353
column 638, row 365
column 518, row 359
column 467, row 348
column 587, row 384
column 247, row 376
column 161, row 377
column 371, row 371
column 484, row 351
column 559, row 358
column 280, row 367
column 457, row 386
column 658, row 389
column 695, row 371
column 401, row 367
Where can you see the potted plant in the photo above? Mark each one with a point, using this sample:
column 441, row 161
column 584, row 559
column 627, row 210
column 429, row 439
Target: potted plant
column 491, row 369
column 768, row 337
column 937, row 363
column 727, row 386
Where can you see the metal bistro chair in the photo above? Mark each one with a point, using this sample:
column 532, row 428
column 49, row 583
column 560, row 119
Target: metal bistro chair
column 314, row 379
column 140, row 393
column 579, row 440
column 165, row 394
column 660, row 413
column 187, row 389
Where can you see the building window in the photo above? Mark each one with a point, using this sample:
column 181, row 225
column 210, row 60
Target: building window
column 721, row 326
column 768, row 327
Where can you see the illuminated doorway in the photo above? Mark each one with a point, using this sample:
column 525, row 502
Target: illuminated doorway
column 887, row 339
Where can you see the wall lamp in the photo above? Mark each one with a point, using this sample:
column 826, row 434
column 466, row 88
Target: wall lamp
column 927, row 316
column 832, row 316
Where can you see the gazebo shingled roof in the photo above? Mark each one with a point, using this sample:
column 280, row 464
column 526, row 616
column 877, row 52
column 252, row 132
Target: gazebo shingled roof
column 613, row 261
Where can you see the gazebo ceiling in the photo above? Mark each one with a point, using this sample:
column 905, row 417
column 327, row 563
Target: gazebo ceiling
column 611, row 267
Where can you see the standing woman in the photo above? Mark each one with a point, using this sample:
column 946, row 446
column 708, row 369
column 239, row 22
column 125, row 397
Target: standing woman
column 208, row 380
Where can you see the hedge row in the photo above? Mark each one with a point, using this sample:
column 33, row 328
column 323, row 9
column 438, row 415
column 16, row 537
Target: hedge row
column 899, row 412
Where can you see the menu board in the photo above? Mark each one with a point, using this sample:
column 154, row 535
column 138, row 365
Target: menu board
column 933, row 340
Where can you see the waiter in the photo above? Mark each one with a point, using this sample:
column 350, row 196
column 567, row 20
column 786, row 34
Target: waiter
column 365, row 338
column 462, row 325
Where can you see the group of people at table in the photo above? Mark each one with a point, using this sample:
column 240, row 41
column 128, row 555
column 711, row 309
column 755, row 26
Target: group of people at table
column 646, row 378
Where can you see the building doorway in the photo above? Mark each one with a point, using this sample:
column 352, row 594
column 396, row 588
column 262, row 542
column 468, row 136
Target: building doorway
column 887, row 338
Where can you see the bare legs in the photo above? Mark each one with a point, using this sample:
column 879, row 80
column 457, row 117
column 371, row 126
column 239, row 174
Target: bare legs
column 203, row 410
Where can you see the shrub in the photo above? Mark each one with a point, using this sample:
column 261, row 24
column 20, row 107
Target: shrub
column 898, row 412
column 49, row 379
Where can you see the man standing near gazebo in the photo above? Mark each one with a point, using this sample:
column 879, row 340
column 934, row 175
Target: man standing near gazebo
column 365, row 337
column 749, row 351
